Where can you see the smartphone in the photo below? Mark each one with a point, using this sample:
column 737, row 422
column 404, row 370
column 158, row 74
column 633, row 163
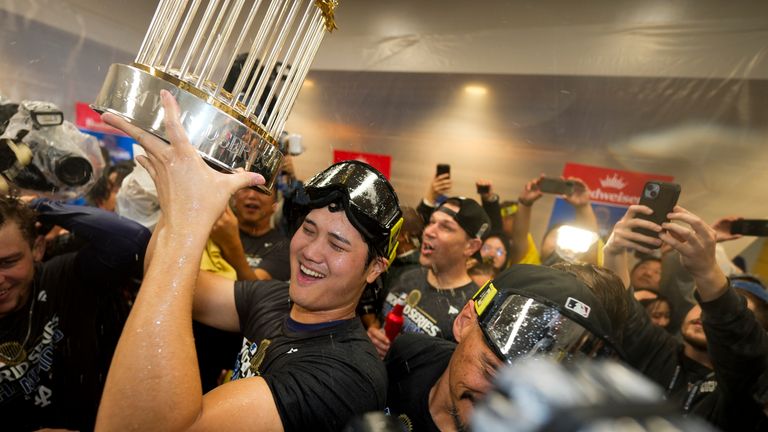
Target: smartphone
column 483, row 189
column 661, row 197
column 750, row 227
column 443, row 169
column 555, row 186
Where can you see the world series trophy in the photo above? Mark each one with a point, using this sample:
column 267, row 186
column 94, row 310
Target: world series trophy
column 233, row 102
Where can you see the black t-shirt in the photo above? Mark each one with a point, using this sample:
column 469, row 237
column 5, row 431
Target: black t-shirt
column 321, row 375
column 737, row 348
column 269, row 252
column 428, row 310
column 414, row 364
column 75, row 327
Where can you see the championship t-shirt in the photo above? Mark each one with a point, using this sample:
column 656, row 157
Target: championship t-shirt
column 428, row 310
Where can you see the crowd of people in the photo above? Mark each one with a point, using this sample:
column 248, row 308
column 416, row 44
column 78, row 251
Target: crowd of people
column 232, row 309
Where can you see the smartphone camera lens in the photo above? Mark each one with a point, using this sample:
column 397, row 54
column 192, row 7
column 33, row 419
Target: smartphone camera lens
column 652, row 191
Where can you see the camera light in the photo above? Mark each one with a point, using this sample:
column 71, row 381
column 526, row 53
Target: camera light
column 575, row 240
column 476, row 90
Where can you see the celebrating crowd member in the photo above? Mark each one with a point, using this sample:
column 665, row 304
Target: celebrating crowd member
column 437, row 291
column 60, row 320
column 584, row 218
column 247, row 240
column 434, row 384
column 306, row 362
column 724, row 349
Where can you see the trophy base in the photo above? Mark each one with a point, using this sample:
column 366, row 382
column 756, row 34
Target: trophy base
column 226, row 140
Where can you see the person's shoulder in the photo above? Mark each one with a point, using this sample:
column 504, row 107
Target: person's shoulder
column 412, row 350
column 263, row 290
column 410, row 274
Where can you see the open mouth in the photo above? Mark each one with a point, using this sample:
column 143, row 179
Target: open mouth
column 308, row 272
column 252, row 206
column 427, row 248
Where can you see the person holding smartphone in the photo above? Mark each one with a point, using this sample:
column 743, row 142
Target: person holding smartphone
column 724, row 347
column 523, row 249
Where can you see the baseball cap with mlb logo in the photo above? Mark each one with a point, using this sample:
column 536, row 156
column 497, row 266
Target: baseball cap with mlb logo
column 532, row 310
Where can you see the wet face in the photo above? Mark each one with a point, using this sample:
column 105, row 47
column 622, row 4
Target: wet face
column 493, row 249
column 444, row 243
column 328, row 263
column 17, row 269
column 253, row 209
column 472, row 369
column 646, row 275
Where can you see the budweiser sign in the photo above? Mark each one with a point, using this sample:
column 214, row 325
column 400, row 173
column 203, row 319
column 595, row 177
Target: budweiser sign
column 611, row 186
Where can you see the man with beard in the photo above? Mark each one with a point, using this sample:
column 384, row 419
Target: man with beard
column 438, row 290
column 724, row 349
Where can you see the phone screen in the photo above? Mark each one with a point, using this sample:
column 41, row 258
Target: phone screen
column 443, row 169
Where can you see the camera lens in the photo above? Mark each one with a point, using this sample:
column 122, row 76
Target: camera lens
column 652, row 191
column 73, row 171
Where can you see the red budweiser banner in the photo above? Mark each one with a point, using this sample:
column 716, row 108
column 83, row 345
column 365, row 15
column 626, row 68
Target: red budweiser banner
column 612, row 186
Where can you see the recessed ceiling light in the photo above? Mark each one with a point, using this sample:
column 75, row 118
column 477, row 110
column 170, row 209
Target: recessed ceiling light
column 476, row 90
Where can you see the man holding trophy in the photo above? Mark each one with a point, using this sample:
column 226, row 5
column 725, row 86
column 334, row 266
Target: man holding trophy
column 306, row 361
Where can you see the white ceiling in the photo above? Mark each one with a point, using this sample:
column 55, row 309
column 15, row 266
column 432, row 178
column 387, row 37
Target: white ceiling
column 684, row 38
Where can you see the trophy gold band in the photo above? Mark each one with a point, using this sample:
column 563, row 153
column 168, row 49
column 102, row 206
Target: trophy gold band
column 235, row 68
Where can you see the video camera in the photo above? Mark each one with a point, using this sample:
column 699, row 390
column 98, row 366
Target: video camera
column 42, row 153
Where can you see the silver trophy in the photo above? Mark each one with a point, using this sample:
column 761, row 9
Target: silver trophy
column 235, row 69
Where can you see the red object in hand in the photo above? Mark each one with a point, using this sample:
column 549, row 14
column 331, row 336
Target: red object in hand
column 394, row 321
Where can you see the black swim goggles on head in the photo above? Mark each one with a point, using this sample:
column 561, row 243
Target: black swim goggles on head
column 367, row 198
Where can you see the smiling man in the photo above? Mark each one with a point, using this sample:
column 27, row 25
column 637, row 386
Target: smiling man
column 438, row 290
column 306, row 363
column 60, row 319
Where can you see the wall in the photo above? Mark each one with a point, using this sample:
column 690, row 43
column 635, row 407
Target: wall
column 670, row 87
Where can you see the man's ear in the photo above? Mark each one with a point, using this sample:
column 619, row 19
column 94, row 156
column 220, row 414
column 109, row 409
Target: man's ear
column 38, row 249
column 377, row 267
column 473, row 245
column 464, row 322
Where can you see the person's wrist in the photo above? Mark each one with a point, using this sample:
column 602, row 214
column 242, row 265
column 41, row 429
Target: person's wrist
column 490, row 197
column 525, row 202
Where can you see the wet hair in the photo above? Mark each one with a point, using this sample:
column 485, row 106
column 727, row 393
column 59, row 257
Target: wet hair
column 12, row 209
column 607, row 287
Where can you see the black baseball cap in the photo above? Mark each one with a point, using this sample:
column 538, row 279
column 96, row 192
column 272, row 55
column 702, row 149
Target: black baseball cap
column 533, row 310
column 471, row 217
column 367, row 198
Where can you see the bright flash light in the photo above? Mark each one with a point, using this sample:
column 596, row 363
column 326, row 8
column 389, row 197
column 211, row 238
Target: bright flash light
column 575, row 240
column 476, row 90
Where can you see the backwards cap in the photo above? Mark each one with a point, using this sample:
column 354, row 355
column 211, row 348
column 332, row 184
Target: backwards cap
column 531, row 309
column 471, row 217
column 367, row 198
